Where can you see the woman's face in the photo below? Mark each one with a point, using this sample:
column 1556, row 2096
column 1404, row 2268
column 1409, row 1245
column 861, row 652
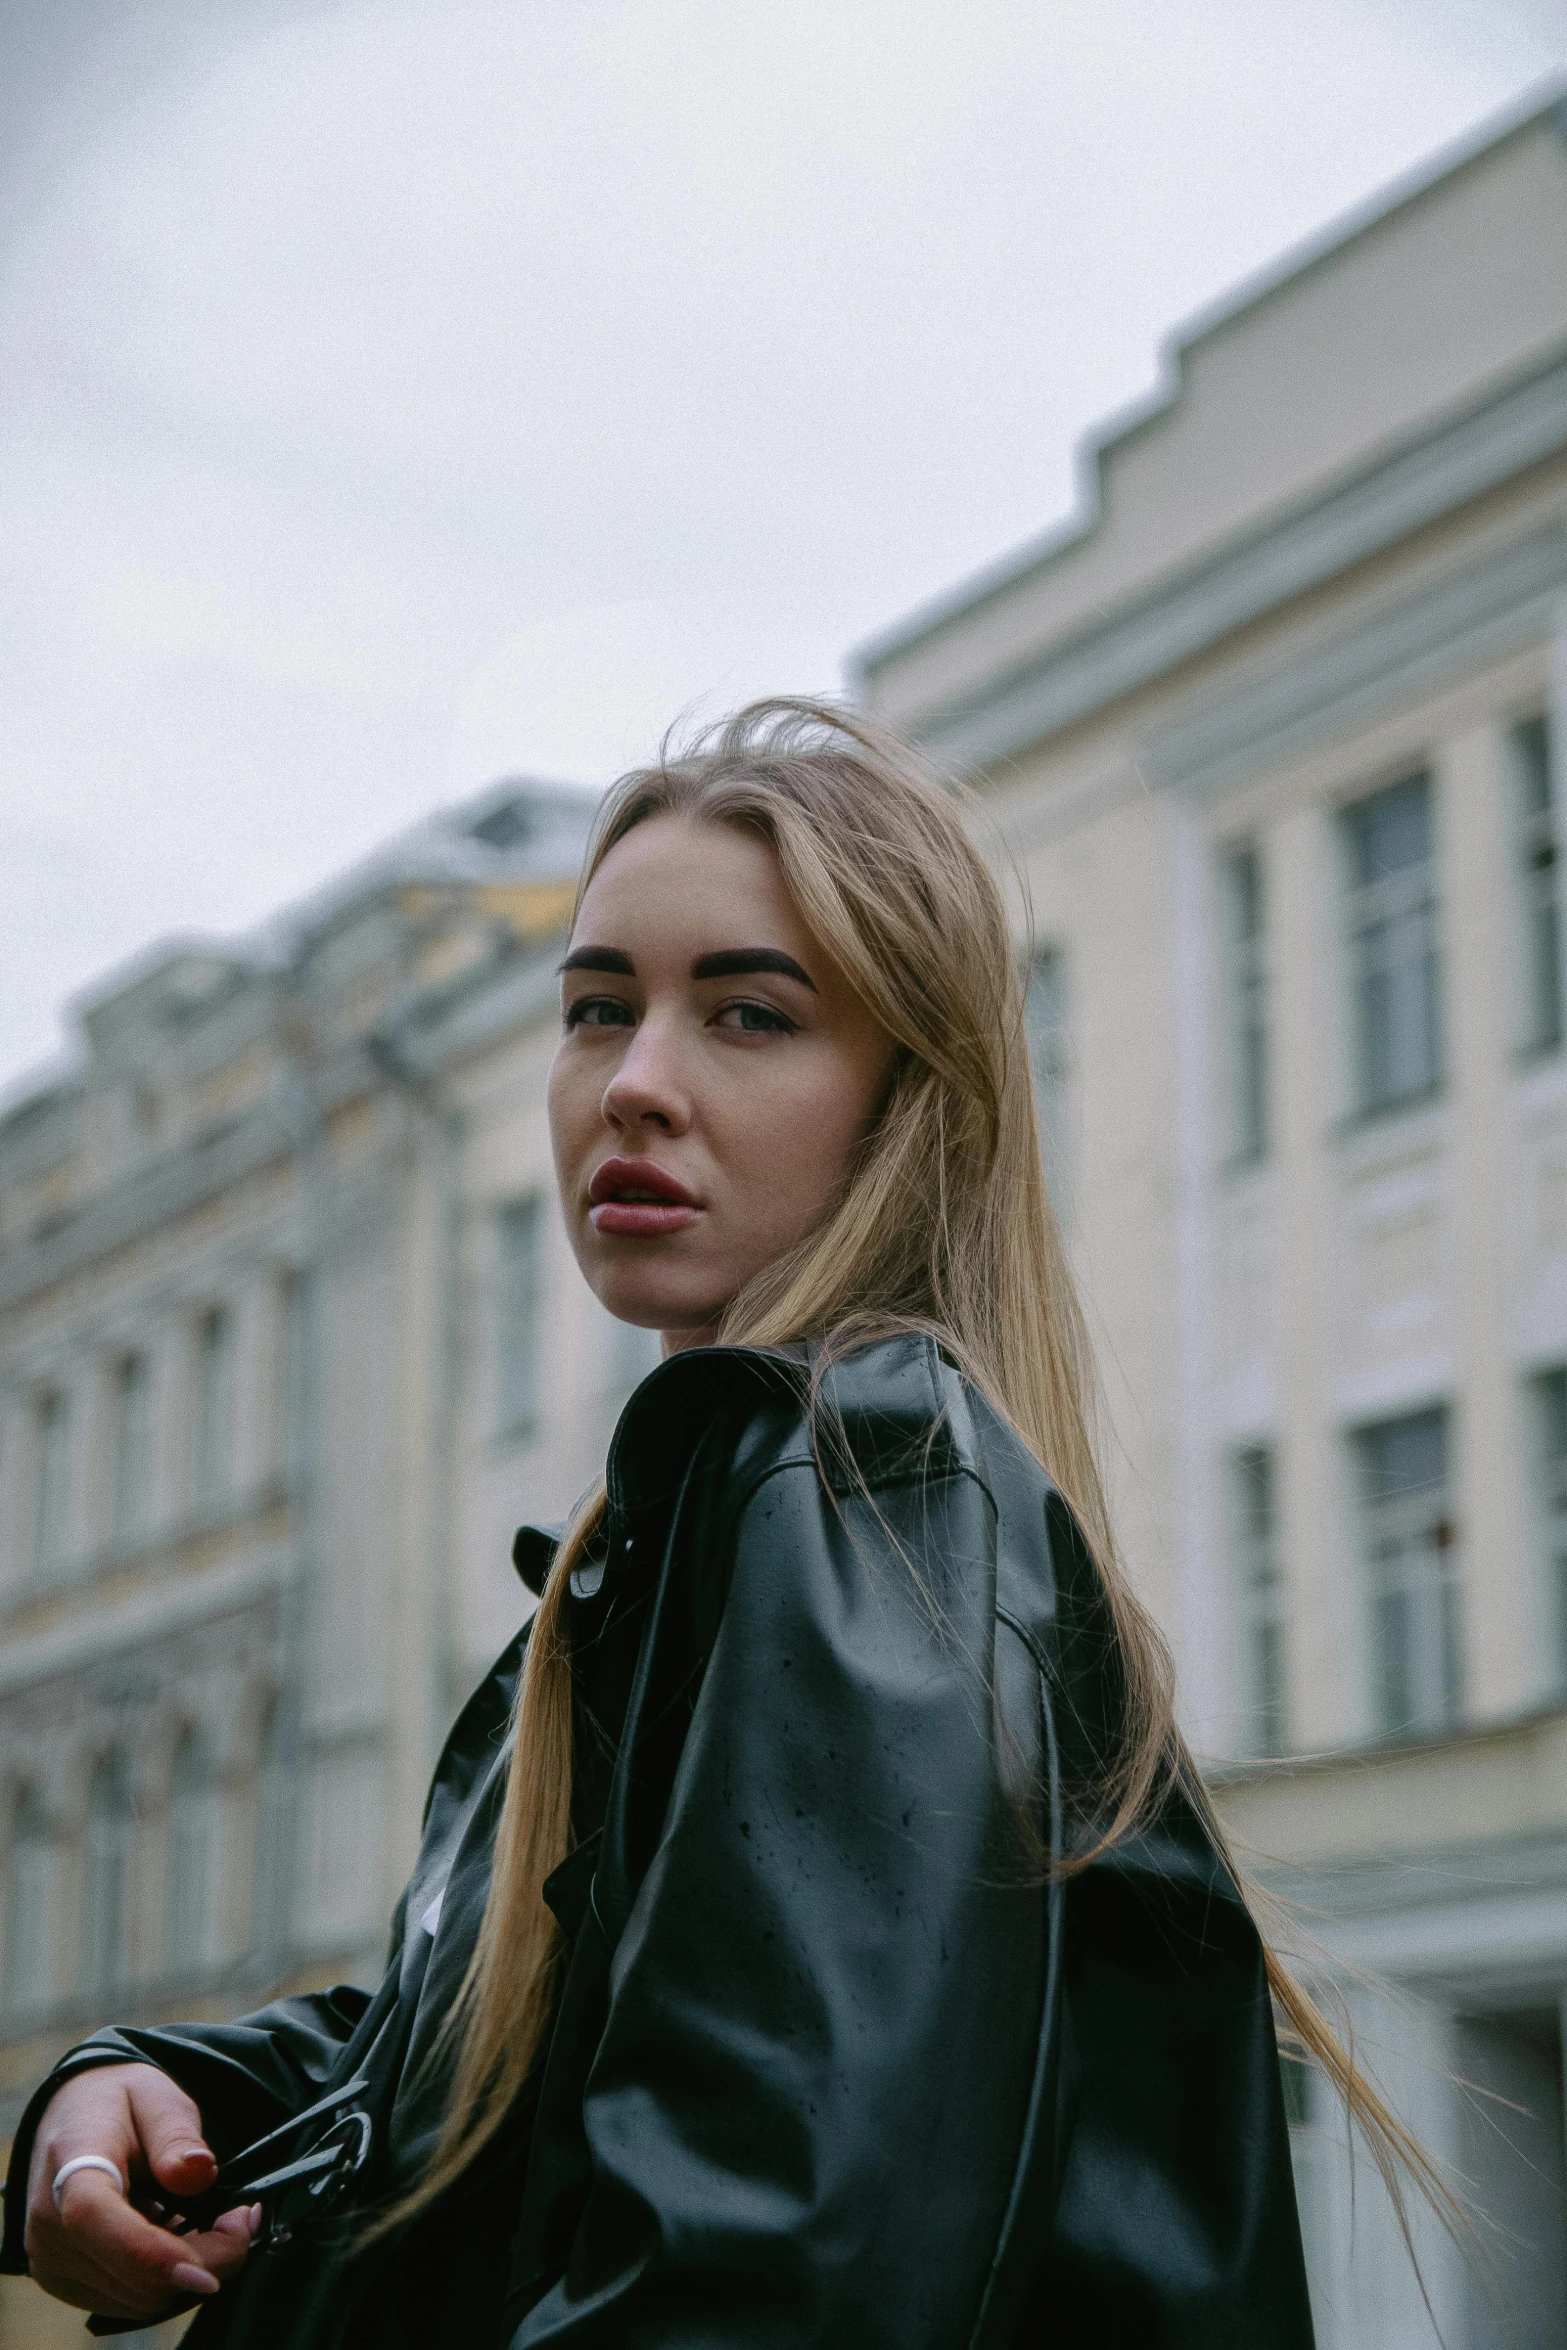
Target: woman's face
column 713, row 1073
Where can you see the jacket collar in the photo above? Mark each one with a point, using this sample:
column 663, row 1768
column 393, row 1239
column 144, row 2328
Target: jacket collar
column 886, row 1402
column 672, row 1410
column 659, row 1429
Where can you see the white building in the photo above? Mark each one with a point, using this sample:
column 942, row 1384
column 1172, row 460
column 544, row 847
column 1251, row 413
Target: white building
column 1275, row 735
column 289, row 1344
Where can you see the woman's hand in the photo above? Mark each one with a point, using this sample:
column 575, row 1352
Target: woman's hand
column 93, row 2248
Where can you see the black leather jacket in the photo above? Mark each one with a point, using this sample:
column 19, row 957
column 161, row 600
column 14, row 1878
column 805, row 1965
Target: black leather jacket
column 836, row 2059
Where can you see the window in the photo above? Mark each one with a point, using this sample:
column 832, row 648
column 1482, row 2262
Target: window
column 132, row 1445
column 509, row 826
column 214, row 1403
column 1551, row 1457
column 52, row 1443
column 1254, row 1536
column 190, row 1886
column 1246, row 1002
column 1298, row 2083
column 295, row 1386
column 1049, row 1053
column 518, row 1287
column 1313, row 2161
column 1411, row 1554
column 269, row 1915
column 1540, row 873
column 106, row 1892
column 28, row 1906
column 1395, row 980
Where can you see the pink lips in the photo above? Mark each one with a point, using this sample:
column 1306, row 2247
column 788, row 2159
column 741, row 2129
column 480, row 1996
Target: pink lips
column 637, row 1199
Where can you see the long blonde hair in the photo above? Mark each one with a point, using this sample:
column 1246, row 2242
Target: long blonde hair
column 942, row 1224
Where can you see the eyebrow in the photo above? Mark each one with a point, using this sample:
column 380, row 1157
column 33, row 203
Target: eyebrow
column 727, row 963
column 731, row 962
column 600, row 959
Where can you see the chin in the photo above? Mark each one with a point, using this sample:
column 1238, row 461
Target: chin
column 650, row 1308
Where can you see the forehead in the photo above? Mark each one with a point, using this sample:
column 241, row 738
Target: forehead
column 669, row 873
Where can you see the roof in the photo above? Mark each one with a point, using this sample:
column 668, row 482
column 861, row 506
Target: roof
column 517, row 847
column 1411, row 308
column 520, row 830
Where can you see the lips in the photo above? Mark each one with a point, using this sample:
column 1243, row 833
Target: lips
column 635, row 1198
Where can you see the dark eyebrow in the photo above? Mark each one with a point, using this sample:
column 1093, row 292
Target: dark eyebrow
column 731, row 962
column 600, row 959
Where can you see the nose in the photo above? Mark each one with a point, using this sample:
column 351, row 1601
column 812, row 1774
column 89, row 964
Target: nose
column 647, row 1089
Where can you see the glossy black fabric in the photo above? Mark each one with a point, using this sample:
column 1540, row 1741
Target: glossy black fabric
column 835, row 2059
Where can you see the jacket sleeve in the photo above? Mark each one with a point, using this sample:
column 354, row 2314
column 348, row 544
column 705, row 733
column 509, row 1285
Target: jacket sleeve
column 1175, row 2220
column 246, row 2077
column 804, row 2112
column 1176, row 2226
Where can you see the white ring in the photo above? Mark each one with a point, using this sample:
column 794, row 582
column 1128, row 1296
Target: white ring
column 68, row 2170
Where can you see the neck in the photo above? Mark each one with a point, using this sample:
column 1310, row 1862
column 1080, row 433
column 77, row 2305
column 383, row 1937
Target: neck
column 675, row 1342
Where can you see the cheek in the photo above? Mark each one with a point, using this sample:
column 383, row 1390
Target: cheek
column 790, row 1159
column 572, row 1106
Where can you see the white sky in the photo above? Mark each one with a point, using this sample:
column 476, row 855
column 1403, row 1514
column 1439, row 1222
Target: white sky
column 393, row 396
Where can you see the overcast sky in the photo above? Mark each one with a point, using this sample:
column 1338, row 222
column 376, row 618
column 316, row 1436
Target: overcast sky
column 394, row 396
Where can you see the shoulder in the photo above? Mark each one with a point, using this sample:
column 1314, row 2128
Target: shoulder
column 891, row 1412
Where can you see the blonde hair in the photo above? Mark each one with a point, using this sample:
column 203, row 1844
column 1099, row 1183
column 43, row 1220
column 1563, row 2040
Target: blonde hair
column 942, row 1224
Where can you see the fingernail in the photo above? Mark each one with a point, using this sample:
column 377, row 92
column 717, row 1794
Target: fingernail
column 193, row 2279
column 255, row 2219
column 193, row 2154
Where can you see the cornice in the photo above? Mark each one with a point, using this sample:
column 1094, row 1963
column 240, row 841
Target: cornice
column 1424, row 479
column 151, row 1196
column 1273, row 711
column 1467, row 617
column 126, row 1629
column 1019, row 567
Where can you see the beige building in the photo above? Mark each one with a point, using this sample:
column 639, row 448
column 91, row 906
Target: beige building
column 1275, row 736
column 290, row 1341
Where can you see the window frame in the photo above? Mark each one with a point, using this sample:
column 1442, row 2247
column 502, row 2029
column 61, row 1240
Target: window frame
column 214, row 1416
column 1402, row 1530
column 518, row 1304
column 1391, row 931
column 1246, row 988
column 192, row 1861
column 1548, row 1396
column 270, row 1923
column 1047, row 1029
column 53, row 1465
column 1260, row 1596
column 109, row 1844
column 28, row 1988
column 130, row 1493
column 1539, row 869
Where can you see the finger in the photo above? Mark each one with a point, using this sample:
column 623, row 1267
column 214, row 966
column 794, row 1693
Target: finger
column 87, row 2286
column 220, row 2249
column 168, row 2124
column 89, row 2116
column 98, row 2240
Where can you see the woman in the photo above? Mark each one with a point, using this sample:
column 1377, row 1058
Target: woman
column 841, row 1952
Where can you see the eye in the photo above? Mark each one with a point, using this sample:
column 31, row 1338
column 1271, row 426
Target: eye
column 598, row 1011
column 753, row 1019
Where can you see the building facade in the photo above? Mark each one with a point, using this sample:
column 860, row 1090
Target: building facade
column 290, row 1342
column 1272, row 742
